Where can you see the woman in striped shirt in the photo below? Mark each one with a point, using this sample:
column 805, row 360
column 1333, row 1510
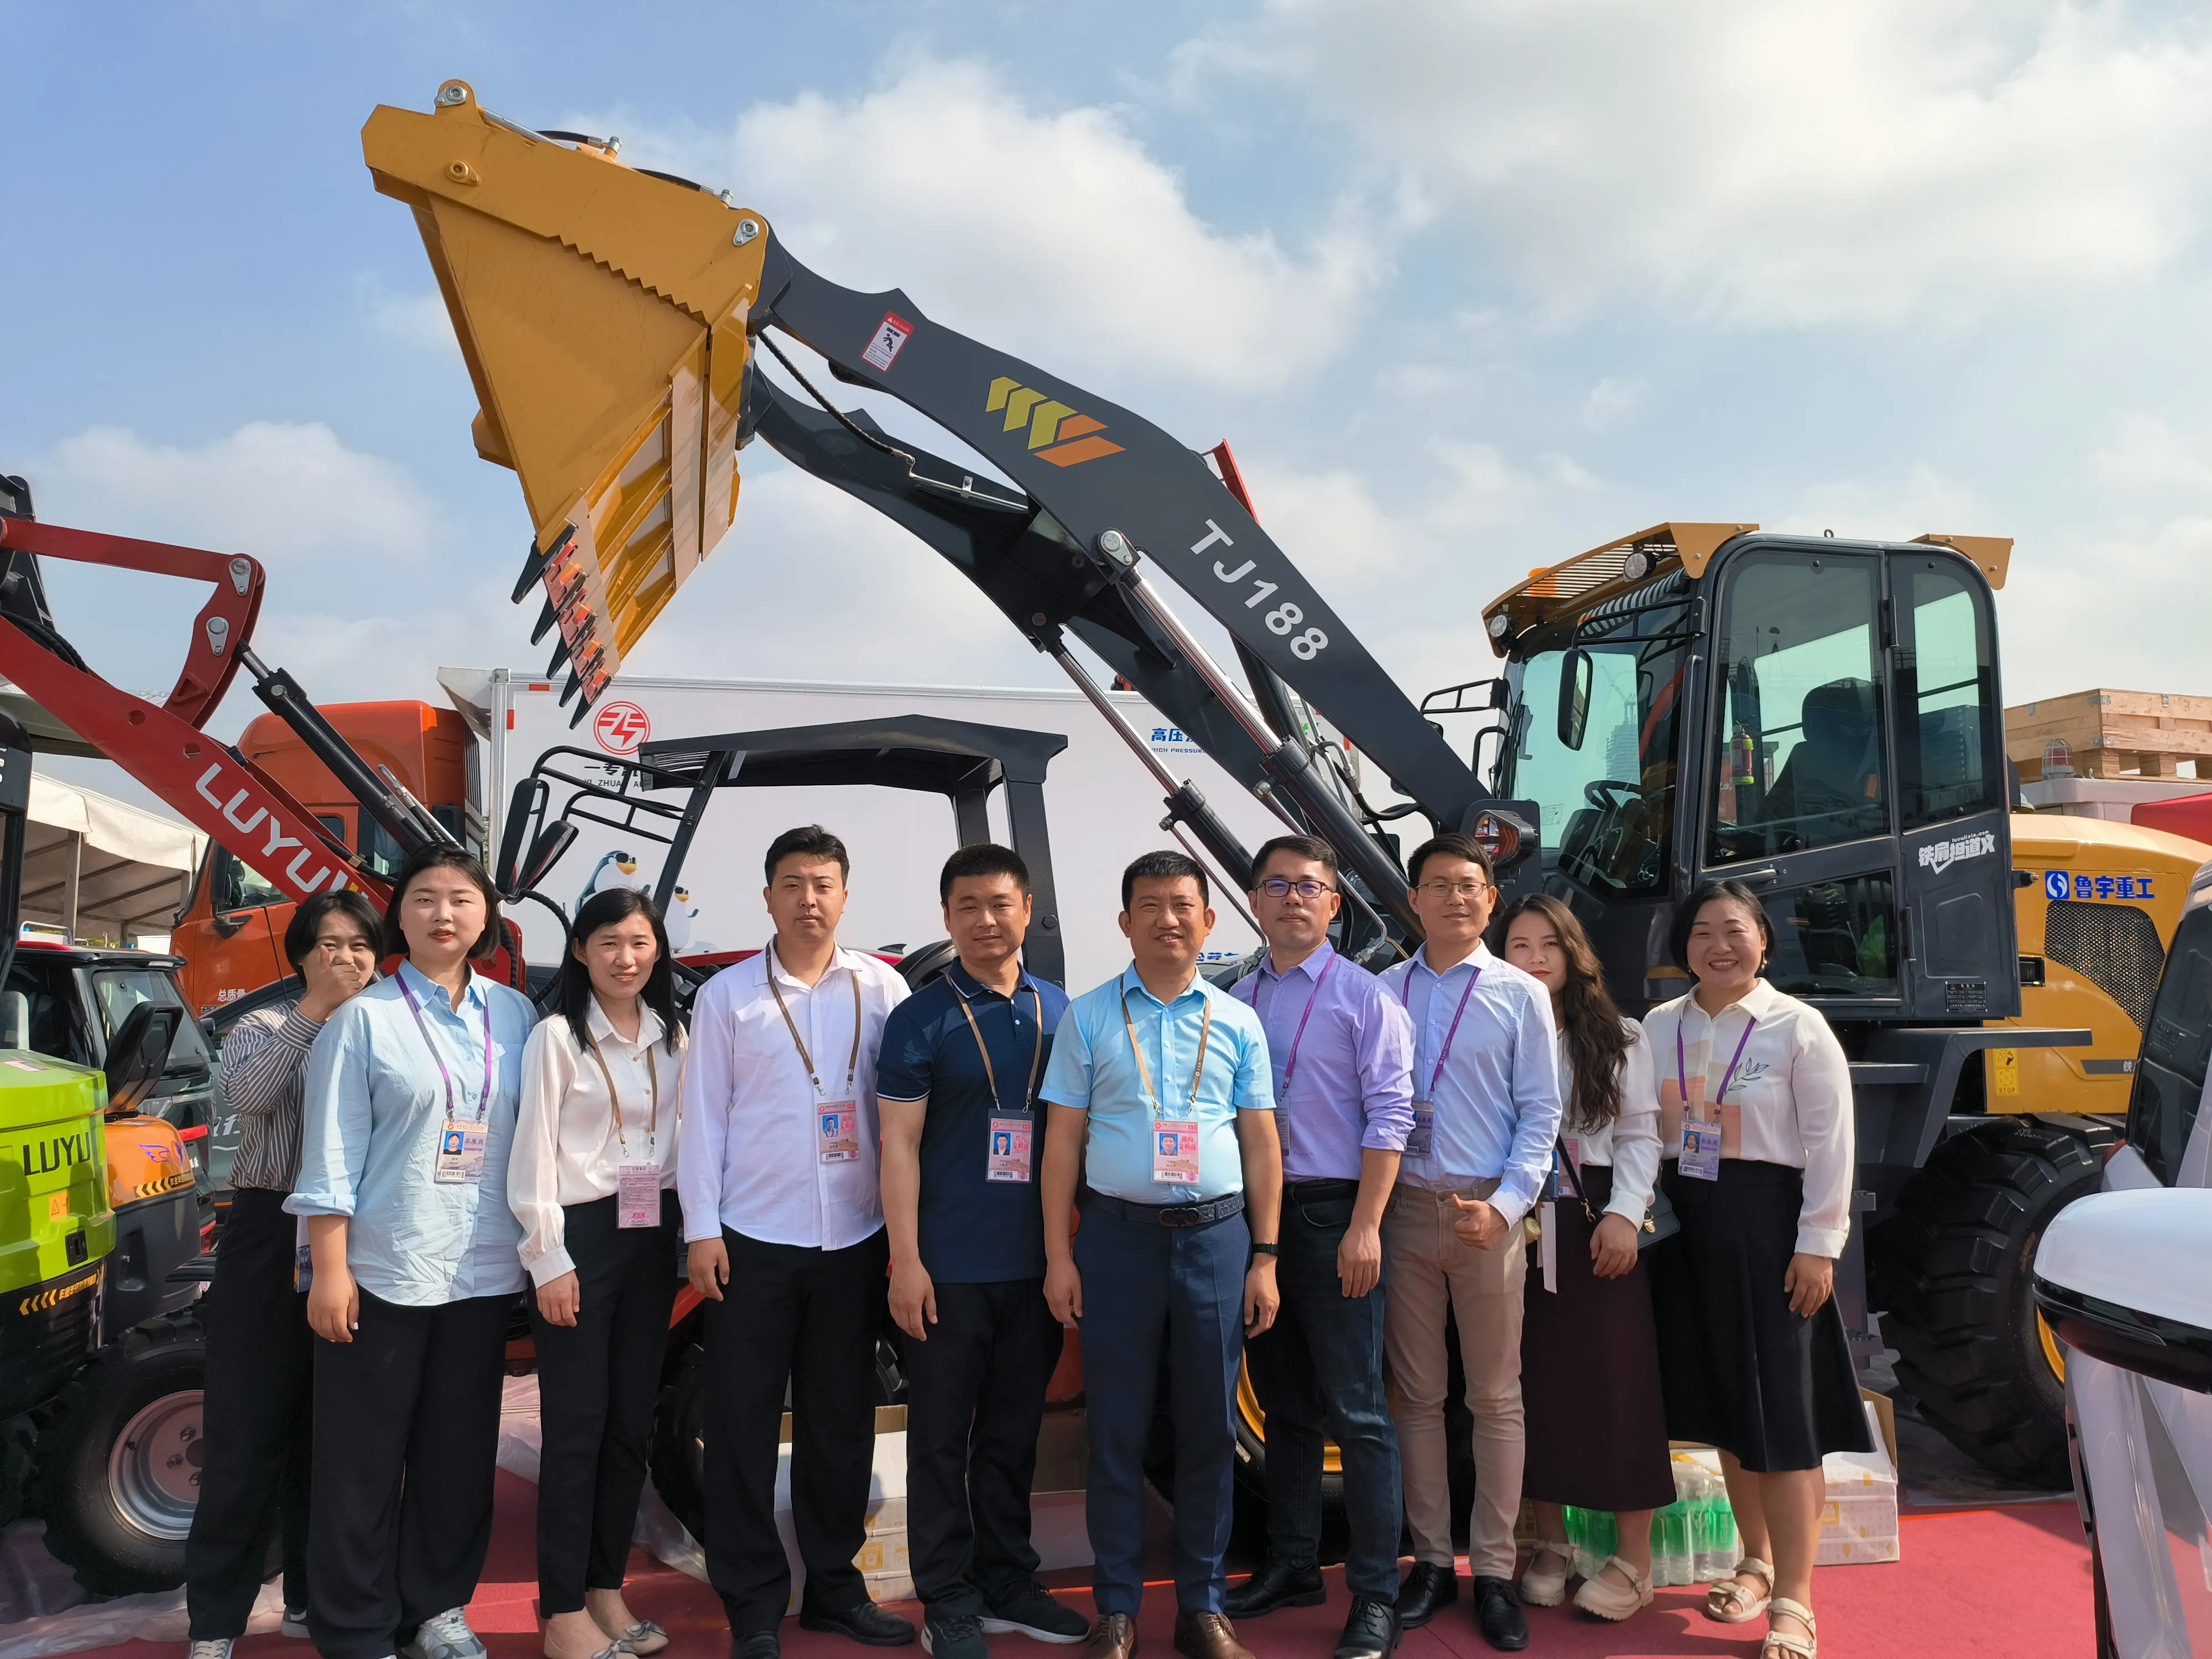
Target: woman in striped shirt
column 258, row 1352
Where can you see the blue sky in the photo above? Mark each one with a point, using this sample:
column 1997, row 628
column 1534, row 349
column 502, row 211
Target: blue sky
column 1470, row 288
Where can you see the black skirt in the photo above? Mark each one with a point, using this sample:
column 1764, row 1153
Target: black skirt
column 1741, row 1371
column 1589, row 1375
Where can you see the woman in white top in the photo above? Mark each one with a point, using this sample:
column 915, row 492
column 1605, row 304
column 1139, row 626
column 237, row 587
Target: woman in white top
column 593, row 1181
column 1755, row 1108
column 1596, row 1432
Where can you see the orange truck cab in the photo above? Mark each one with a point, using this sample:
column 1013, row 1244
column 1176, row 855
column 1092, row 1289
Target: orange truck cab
column 231, row 933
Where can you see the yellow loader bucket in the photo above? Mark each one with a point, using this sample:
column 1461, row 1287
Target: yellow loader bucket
column 602, row 312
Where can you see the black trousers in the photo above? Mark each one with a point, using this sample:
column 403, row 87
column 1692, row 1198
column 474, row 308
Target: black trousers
column 260, row 1373
column 807, row 1319
column 975, row 1403
column 406, row 1437
column 596, row 1383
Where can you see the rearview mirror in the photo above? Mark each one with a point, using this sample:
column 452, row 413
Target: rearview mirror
column 137, row 1053
column 1576, row 674
column 544, row 853
column 519, row 812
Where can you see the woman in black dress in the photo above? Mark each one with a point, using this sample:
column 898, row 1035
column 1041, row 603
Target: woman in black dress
column 1755, row 1107
column 1589, row 1358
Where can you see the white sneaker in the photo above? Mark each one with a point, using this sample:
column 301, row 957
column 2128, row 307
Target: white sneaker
column 215, row 1648
column 446, row 1636
column 295, row 1625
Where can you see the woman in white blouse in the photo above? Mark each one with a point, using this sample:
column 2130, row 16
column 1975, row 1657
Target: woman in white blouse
column 1596, row 1433
column 1755, row 1107
column 593, row 1181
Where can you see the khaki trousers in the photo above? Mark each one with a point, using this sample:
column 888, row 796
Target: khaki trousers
column 1429, row 1271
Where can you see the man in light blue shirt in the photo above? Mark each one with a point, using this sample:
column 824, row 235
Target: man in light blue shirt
column 1159, row 1086
column 1485, row 1116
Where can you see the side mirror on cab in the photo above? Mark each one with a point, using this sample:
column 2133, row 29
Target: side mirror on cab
column 1576, row 673
column 137, row 1053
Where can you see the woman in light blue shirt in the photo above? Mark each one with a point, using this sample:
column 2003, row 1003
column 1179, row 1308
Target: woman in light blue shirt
column 408, row 1117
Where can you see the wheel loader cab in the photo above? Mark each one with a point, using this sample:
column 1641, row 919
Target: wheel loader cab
column 1817, row 718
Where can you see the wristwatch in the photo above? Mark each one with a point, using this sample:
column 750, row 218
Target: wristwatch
column 1259, row 1249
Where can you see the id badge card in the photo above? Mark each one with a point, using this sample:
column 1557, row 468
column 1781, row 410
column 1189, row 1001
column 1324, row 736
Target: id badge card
column 837, row 1132
column 637, row 1195
column 460, row 1154
column 1701, row 1150
column 1422, row 1134
column 1175, row 1152
column 1007, row 1157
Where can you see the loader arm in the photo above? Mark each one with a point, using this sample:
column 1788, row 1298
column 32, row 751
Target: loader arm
column 607, row 317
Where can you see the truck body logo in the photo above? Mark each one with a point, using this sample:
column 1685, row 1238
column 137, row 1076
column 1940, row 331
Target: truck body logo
column 1057, row 432
column 619, row 727
column 56, row 1152
column 2058, row 887
column 891, row 335
column 1940, row 856
column 303, row 884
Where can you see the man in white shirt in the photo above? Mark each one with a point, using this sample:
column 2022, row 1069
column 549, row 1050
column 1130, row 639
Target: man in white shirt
column 1485, row 1117
column 777, row 1168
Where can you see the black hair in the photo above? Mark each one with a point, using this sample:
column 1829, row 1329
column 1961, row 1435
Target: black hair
column 982, row 858
column 1302, row 846
column 1734, row 892
column 1165, row 865
column 299, row 933
column 1590, row 1023
column 814, row 843
column 1450, row 845
column 571, row 994
column 443, row 855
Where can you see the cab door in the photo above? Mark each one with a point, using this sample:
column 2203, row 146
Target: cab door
column 231, row 935
column 1800, row 796
column 1961, row 953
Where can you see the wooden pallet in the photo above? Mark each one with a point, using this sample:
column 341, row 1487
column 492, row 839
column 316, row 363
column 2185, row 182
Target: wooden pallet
column 2111, row 733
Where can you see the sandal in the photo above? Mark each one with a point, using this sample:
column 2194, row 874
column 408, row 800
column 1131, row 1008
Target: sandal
column 1807, row 1646
column 1548, row 1589
column 1729, row 1602
column 1606, row 1598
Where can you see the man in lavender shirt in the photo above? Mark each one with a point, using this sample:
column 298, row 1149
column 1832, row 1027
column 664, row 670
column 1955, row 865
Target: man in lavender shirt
column 1342, row 1052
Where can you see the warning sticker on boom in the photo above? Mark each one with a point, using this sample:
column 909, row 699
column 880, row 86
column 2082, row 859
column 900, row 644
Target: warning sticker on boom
column 891, row 335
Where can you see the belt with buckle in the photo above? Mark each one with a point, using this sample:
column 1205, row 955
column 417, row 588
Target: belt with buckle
column 1319, row 1190
column 1165, row 1215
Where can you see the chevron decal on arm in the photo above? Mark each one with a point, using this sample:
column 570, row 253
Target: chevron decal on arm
column 1057, row 432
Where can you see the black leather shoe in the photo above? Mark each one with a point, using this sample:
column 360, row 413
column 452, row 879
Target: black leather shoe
column 1371, row 1630
column 1277, row 1585
column 1427, row 1588
column 863, row 1622
column 1497, row 1611
column 756, row 1644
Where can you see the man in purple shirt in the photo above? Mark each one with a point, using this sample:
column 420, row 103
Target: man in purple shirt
column 1342, row 1052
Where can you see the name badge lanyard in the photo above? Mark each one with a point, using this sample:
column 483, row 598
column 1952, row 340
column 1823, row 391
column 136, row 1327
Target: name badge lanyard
column 836, row 1122
column 1700, row 1154
column 1420, row 1141
column 1174, row 1140
column 1037, row 1056
column 1681, row 1074
column 1291, row 1067
column 637, row 1185
column 484, row 1101
column 1006, row 1152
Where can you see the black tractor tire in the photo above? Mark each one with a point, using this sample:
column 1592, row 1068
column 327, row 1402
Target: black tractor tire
column 118, row 1459
column 1956, row 1264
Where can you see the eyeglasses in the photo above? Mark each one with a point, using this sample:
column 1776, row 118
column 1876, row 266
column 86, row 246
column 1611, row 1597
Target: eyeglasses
column 1444, row 890
column 1282, row 887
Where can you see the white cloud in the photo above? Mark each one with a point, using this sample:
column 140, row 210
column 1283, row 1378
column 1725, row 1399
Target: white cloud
column 1053, row 233
column 2146, row 454
column 1770, row 165
column 281, row 492
column 1920, row 502
column 419, row 320
column 1612, row 404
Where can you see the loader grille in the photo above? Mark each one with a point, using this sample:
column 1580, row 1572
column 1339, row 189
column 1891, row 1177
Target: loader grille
column 2114, row 946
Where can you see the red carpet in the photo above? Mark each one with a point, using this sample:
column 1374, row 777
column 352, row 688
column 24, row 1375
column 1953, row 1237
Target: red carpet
column 2011, row 1583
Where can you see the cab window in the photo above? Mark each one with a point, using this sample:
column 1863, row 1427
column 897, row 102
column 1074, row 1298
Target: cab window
column 1947, row 686
column 117, row 991
column 238, row 885
column 2169, row 1087
column 1798, row 760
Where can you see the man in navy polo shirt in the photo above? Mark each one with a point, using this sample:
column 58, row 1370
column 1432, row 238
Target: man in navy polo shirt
column 957, row 1082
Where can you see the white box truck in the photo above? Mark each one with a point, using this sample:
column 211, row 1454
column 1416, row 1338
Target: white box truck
column 1104, row 807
